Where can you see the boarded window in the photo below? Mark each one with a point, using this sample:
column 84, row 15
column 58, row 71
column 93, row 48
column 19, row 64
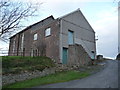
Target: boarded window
column 35, row 36
column 48, row 32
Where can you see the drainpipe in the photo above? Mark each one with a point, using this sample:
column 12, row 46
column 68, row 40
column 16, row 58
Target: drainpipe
column 60, row 41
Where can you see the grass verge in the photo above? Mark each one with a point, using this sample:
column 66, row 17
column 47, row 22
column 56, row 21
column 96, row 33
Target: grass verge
column 53, row 78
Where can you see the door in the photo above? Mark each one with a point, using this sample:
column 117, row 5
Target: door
column 65, row 56
column 70, row 37
column 93, row 55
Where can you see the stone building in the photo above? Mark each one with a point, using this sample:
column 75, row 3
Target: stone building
column 68, row 39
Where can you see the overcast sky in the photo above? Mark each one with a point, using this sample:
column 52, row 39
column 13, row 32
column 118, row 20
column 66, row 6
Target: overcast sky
column 101, row 14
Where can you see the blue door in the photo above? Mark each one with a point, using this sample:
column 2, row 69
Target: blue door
column 65, row 56
column 70, row 37
column 92, row 55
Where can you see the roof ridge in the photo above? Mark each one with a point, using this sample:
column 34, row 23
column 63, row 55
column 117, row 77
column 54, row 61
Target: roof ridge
column 69, row 13
column 40, row 21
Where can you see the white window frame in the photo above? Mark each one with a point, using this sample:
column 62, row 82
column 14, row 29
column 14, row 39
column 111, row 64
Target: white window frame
column 35, row 36
column 48, row 32
column 22, row 42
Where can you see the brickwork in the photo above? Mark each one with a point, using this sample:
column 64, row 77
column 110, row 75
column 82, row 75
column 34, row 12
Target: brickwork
column 43, row 46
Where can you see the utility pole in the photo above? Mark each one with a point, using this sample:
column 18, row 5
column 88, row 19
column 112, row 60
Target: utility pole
column 118, row 56
column 119, row 27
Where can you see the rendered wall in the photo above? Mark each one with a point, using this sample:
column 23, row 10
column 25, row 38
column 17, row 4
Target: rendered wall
column 83, row 33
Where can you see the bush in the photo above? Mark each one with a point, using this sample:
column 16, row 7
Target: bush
column 16, row 64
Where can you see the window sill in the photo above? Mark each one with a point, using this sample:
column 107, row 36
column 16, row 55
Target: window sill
column 48, row 36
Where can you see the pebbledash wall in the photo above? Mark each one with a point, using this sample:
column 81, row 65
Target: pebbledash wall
column 53, row 45
column 82, row 32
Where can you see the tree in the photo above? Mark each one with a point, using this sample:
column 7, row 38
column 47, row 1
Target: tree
column 12, row 14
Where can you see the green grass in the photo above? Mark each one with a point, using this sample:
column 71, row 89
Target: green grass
column 16, row 64
column 53, row 78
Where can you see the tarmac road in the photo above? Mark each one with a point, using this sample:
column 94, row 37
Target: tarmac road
column 106, row 78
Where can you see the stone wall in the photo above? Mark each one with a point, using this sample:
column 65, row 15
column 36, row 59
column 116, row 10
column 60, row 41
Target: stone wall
column 12, row 78
column 78, row 56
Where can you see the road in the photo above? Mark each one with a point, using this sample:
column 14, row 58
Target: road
column 106, row 78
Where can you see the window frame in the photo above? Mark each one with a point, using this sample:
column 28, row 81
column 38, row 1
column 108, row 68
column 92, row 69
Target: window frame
column 22, row 42
column 48, row 32
column 70, row 31
column 35, row 37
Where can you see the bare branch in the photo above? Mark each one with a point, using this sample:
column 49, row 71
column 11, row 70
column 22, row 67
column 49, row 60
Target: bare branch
column 13, row 13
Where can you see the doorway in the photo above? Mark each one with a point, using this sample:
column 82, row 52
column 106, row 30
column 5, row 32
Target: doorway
column 65, row 55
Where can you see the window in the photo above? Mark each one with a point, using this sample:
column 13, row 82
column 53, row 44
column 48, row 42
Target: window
column 70, row 37
column 35, row 36
column 48, row 32
column 22, row 41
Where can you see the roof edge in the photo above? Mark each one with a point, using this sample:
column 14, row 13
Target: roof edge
column 51, row 16
column 78, row 10
column 87, row 21
column 69, row 13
